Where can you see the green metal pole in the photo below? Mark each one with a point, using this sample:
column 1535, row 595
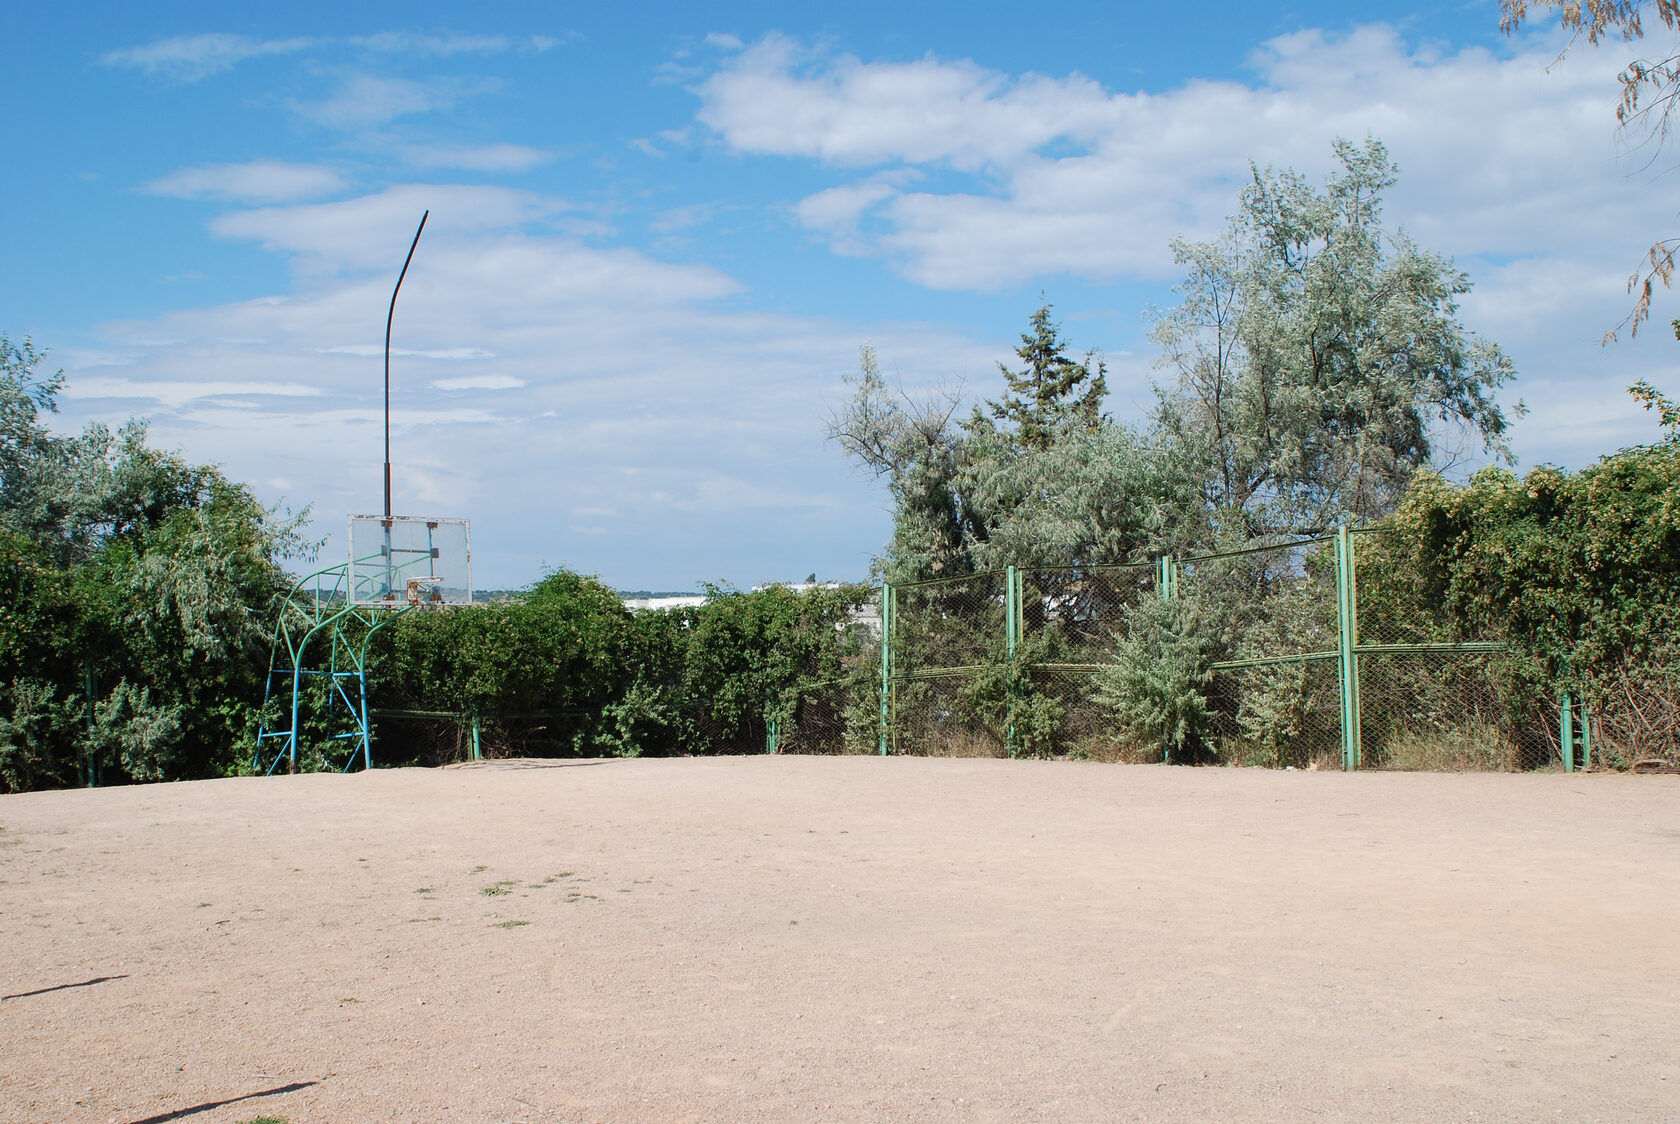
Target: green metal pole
column 1166, row 588
column 1347, row 664
column 1166, row 578
column 1011, row 626
column 1586, row 736
column 887, row 606
column 1353, row 644
column 477, row 752
column 1011, row 639
column 1566, row 733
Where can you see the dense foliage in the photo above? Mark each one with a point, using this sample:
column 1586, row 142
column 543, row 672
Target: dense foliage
column 1578, row 572
column 138, row 595
column 568, row 669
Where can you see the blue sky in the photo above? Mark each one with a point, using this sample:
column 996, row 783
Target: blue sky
column 659, row 234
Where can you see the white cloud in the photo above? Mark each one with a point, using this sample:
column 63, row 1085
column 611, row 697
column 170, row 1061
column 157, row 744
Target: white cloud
column 1064, row 176
column 368, row 231
column 364, row 100
column 259, row 181
column 409, row 43
column 187, row 58
column 837, row 212
column 365, row 349
column 477, row 158
column 771, row 100
column 176, row 393
column 676, row 219
column 479, row 382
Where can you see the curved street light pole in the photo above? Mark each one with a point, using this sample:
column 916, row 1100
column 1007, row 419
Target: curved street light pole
column 388, row 317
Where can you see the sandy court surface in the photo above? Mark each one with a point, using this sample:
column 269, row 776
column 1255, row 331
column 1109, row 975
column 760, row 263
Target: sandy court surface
column 843, row 939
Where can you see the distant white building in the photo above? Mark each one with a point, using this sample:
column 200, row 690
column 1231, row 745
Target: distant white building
column 868, row 615
column 674, row 601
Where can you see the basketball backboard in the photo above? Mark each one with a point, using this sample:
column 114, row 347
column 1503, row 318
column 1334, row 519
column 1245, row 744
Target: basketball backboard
column 406, row 560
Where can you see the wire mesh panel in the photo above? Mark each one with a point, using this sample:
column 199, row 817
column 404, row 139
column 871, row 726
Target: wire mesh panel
column 1446, row 710
column 1072, row 616
column 428, row 738
column 1266, row 602
column 949, row 693
column 1272, row 618
column 1276, row 715
column 837, row 716
column 949, row 623
column 1062, row 715
column 706, row 730
column 1430, row 696
column 949, row 715
column 1634, row 717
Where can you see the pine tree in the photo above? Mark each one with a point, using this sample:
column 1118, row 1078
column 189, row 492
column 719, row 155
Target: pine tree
column 1052, row 391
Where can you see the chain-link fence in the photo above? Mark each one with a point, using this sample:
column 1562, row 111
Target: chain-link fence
column 1273, row 620
column 431, row 738
column 1634, row 722
column 947, row 688
column 1071, row 621
column 1430, row 696
column 833, row 716
column 1305, row 653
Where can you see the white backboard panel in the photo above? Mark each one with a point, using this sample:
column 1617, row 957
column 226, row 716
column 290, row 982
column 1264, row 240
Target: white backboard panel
column 408, row 560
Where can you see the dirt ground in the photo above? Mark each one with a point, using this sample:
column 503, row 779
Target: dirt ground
column 843, row 939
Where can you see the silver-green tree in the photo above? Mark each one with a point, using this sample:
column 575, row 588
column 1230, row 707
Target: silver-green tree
column 1316, row 357
column 1042, row 477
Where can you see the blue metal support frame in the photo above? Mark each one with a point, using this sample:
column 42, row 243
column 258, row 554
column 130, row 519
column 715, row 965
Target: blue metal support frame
column 320, row 606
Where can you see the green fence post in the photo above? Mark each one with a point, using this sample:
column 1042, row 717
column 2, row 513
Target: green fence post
column 1166, row 588
column 888, row 604
column 1353, row 647
column 1348, row 664
column 1166, row 578
column 477, row 754
column 1011, row 640
column 1566, row 733
column 1586, row 736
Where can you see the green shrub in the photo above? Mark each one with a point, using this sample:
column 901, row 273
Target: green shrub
column 1156, row 689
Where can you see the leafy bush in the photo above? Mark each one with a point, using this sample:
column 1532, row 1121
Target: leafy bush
column 1156, row 688
column 138, row 593
column 692, row 680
